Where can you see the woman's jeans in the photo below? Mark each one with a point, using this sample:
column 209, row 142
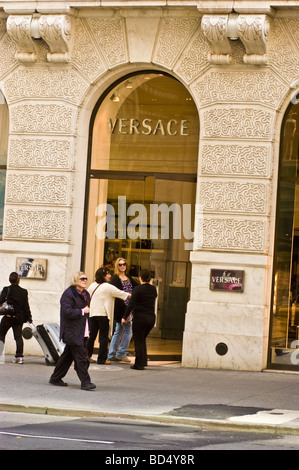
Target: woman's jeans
column 122, row 336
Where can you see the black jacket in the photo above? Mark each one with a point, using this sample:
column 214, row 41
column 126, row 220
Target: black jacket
column 119, row 306
column 72, row 322
column 142, row 301
column 18, row 297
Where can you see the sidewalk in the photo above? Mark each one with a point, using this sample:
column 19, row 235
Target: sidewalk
column 164, row 392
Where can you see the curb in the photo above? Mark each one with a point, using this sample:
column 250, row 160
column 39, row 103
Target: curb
column 223, row 425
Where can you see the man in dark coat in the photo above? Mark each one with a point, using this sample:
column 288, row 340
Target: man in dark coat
column 74, row 332
column 18, row 297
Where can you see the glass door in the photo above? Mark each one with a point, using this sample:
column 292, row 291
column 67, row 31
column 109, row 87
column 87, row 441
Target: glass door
column 149, row 222
column 111, row 231
column 172, row 222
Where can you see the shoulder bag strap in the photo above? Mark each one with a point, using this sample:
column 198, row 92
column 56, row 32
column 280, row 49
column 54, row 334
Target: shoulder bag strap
column 94, row 291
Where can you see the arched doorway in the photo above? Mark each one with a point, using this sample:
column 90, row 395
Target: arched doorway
column 141, row 192
column 284, row 330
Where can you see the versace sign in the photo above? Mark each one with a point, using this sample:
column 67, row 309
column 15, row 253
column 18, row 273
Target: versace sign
column 148, row 126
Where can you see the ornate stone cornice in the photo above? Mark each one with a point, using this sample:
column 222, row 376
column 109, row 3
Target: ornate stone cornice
column 19, row 29
column 252, row 30
column 55, row 30
column 214, row 28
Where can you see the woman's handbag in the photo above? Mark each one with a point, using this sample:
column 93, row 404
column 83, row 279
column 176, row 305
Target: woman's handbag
column 6, row 308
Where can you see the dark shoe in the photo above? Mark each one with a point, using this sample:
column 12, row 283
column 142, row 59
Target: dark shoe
column 59, row 383
column 88, row 386
column 137, row 368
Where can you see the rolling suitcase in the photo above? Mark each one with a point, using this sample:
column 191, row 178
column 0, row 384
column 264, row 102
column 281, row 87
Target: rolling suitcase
column 47, row 336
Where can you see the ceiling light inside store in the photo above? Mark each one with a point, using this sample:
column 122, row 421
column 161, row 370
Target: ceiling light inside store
column 115, row 98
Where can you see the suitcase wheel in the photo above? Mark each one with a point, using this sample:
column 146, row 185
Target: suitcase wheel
column 27, row 333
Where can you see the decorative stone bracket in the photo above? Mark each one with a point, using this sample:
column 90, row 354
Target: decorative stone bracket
column 252, row 30
column 55, row 30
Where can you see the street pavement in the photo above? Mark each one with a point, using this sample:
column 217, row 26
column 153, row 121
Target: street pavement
column 163, row 392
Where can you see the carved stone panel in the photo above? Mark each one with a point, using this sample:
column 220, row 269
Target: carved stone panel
column 235, row 159
column 240, row 86
column 53, row 83
column 44, row 153
column 235, row 234
column 234, row 197
column 194, row 57
column 86, row 55
column 281, row 52
column 47, row 189
column 7, row 55
column 37, row 224
column 174, row 35
column 238, row 123
column 109, row 34
column 43, row 118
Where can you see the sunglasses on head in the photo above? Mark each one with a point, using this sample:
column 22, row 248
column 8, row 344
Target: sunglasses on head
column 83, row 278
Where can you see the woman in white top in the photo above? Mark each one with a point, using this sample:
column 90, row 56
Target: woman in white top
column 102, row 296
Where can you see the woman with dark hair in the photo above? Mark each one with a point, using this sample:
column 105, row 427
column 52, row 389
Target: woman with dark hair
column 18, row 297
column 102, row 297
column 142, row 304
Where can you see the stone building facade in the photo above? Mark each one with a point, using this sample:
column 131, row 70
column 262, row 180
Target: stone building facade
column 239, row 61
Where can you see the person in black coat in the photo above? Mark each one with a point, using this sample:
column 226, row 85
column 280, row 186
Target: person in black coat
column 74, row 332
column 142, row 304
column 18, row 297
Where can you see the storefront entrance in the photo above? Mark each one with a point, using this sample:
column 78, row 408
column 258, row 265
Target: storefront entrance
column 141, row 193
column 284, row 334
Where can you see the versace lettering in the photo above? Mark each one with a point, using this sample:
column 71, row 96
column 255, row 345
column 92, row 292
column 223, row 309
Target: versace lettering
column 133, row 126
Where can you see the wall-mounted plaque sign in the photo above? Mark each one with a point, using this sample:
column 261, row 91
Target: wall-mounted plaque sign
column 227, row 280
column 31, row 268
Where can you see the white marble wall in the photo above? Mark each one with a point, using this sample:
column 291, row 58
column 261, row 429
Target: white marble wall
column 239, row 320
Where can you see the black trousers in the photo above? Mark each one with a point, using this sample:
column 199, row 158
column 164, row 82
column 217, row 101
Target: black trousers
column 142, row 325
column 99, row 324
column 77, row 354
column 6, row 324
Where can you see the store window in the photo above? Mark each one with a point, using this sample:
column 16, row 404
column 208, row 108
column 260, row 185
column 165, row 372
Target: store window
column 284, row 337
column 4, row 122
column 142, row 185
